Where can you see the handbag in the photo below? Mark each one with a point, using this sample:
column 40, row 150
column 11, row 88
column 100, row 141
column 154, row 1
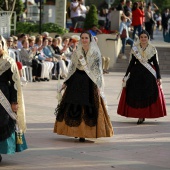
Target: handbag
column 124, row 34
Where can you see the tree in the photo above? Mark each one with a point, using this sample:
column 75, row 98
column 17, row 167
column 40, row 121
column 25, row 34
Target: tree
column 162, row 4
column 12, row 5
column 91, row 17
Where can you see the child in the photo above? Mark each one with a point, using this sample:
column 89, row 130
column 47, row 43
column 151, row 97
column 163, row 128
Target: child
column 126, row 22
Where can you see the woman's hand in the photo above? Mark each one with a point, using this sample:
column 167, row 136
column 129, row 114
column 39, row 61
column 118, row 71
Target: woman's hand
column 159, row 81
column 14, row 107
column 63, row 87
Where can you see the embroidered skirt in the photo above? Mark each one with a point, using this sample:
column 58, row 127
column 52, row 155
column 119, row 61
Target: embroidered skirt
column 82, row 112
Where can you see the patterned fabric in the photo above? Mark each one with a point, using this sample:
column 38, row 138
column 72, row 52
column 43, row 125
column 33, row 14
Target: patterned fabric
column 7, row 62
column 94, row 64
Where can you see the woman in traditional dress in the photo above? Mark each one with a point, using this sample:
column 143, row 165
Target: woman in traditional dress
column 142, row 97
column 82, row 112
column 11, row 104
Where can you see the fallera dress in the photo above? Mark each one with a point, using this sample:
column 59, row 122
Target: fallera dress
column 142, row 97
column 82, row 111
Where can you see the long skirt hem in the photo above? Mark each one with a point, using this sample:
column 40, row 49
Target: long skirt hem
column 103, row 127
column 155, row 110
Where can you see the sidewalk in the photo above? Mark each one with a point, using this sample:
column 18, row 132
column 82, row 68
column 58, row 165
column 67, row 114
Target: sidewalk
column 158, row 39
column 133, row 147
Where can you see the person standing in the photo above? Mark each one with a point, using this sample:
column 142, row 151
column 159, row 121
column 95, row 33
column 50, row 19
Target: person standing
column 76, row 12
column 165, row 18
column 137, row 19
column 143, row 96
column 82, row 112
column 124, row 26
column 149, row 21
column 127, row 7
column 11, row 104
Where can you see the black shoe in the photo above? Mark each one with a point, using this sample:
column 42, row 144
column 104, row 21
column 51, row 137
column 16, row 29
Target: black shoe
column 140, row 121
column 61, row 78
column 33, row 80
column 81, row 139
column 46, row 79
column 37, row 79
column 54, row 78
column 0, row 158
column 42, row 79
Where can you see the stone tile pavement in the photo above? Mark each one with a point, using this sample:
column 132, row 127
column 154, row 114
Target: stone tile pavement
column 133, row 147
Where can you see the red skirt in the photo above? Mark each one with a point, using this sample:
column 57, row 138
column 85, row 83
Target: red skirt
column 155, row 110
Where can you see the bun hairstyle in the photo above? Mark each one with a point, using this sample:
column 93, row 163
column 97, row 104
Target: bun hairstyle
column 87, row 32
column 144, row 32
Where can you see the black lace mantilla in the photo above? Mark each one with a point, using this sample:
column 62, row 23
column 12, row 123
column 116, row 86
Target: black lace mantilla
column 80, row 101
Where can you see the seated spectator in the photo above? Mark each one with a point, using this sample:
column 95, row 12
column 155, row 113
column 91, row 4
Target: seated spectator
column 124, row 27
column 29, row 58
column 73, row 42
column 45, row 34
column 48, row 53
column 19, row 64
column 67, row 53
column 94, row 30
column 56, row 53
column 15, row 42
column 20, row 38
column 46, row 63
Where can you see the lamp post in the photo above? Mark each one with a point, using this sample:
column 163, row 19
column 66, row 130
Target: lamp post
column 40, row 21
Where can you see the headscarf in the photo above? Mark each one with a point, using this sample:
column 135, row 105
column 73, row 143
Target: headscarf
column 7, row 62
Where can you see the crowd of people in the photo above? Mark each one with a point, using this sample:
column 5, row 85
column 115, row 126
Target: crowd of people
column 48, row 57
column 136, row 17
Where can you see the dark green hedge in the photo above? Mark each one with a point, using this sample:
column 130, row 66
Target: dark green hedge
column 28, row 28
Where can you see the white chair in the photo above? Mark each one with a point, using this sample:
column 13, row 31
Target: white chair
column 16, row 56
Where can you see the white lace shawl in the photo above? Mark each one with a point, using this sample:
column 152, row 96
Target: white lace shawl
column 149, row 52
column 7, row 62
column 94, row 64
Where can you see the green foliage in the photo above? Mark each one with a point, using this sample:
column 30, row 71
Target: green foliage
column 8, row 7
column 19, row 6
column 28, row 28
column 91, row 17
column 162, row 4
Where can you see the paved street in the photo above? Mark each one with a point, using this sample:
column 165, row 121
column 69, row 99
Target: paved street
column 133, row 147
